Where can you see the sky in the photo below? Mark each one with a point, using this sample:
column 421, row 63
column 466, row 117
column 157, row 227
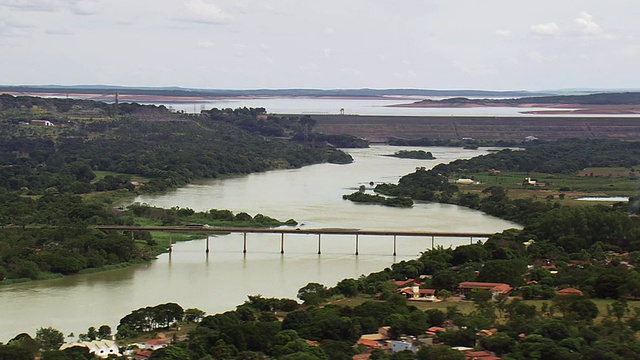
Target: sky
column 328, row 44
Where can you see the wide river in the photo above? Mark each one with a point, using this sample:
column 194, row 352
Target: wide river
column 221, row 280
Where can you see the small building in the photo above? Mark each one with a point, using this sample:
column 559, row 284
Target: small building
column 434, row 330
column 415, row 293
column 408, row 282
column 465, row 181
column 100, row 348
column 402, row 345
column 530, row 138
column 41, row 123
column 495, row 288
column 154, row 344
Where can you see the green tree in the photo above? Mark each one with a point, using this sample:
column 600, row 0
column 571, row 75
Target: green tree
column 312, row 293
column 170, row 353
column 104, row 332
column 193, row 315
column 49, row 338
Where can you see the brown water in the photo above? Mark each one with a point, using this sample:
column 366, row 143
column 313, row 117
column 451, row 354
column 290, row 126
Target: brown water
column 222, row 280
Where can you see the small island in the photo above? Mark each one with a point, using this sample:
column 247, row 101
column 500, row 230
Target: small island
column 361, row 197
column 414, row 154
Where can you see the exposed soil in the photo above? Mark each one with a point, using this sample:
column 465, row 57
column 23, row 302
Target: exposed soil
column 381, row 128
column 561, row 108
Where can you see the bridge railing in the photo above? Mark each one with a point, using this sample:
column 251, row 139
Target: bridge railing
column 209, row 230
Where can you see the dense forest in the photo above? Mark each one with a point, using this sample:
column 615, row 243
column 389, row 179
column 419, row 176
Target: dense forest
column 52, row 176
column 563, row 156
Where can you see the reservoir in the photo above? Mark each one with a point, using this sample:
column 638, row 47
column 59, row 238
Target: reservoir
column 219, row 281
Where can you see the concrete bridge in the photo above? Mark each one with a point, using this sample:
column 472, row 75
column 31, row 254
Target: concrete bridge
column 210, row 230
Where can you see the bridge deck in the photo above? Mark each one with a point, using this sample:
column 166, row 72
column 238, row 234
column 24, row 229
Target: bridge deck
column 213, row 230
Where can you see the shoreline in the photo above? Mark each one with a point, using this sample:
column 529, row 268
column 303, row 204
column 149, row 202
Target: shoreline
column 554, row 109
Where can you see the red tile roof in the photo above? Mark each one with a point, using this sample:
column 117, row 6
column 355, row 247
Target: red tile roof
column 424, row 292
column 493, row 287
column 371, row 344
column 569, row 291
column 402, row 283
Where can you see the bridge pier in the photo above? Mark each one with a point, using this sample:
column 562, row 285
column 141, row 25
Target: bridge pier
column 356, row 244
column 244, row 250
column 170, row 243
column 433, row 242
column 319, row 243
column 395, row 239
column 281, row 243
column 207, row 250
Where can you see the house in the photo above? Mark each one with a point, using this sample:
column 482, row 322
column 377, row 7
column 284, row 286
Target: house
column 486, row 333
column 415, row 293
column 41, row 123
column 154, row 344
column 530, row 138
column 434, row 330
column 496, row 288
column 465, row 181
column 402, row 345
column 480, row 355
column 529, row 181
column 569, row 291
column 408, row 282
column 142, row 354
column 100, row 348
column 377, row 340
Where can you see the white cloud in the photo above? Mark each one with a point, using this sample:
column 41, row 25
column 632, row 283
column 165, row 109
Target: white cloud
column 10, row 28
column 546, row 29
column 240, row 50
column 206, row 44
column 584, row 27
column 326, row 52
column 202, row 12
column 35, row 5
column 76, row 7
column 83, row 8
column 504, row 33
column 586, row 24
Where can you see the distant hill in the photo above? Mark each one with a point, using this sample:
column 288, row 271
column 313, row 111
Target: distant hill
column 625, row 98
column 189, row 92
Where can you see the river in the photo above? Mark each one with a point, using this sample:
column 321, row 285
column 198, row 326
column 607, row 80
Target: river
column 221, row 280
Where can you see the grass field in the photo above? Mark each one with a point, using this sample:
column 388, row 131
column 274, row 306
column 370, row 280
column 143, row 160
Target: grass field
column 572, row 186
column 467, row 307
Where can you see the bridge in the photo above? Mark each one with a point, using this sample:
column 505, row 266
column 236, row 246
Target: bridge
column 210, row 230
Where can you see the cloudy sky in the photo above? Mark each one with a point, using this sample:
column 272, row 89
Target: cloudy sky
column 248, row 44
